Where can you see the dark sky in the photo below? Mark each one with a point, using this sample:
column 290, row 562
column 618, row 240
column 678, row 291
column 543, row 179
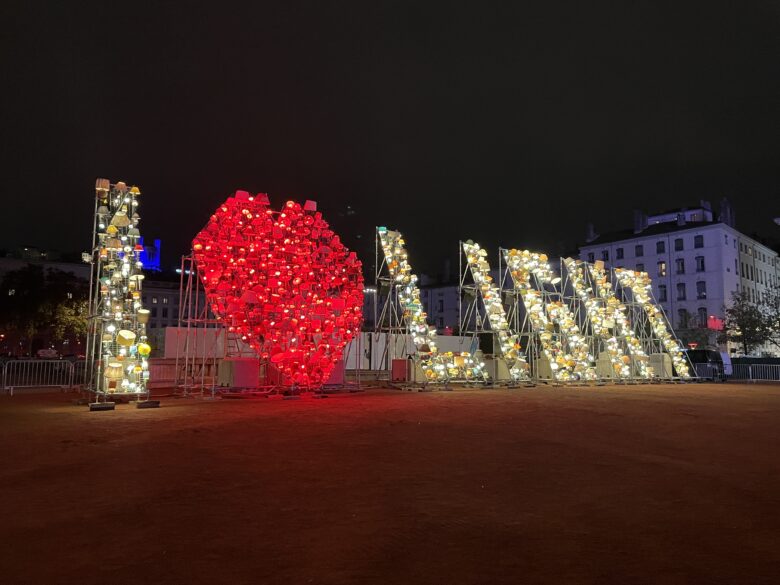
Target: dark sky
column 511, row 123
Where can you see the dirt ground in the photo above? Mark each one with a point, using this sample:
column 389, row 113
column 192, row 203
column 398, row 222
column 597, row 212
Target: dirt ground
column 623, row 485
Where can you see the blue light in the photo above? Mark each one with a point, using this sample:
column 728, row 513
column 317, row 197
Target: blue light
column 150, row 257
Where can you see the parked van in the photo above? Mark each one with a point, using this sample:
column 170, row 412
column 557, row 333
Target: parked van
column 708, row 363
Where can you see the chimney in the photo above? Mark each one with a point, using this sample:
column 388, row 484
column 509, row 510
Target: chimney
column 590, row 232
column 640, row 221
column 681, row 219
column 726, row 213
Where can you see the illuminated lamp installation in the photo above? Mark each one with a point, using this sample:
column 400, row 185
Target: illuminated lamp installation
column 639, row 283
column 616, row 314
column 284, row 282
column 602, row 321
column 117, row 348
column 566, row 349
column 509, row 344
column 437, row 366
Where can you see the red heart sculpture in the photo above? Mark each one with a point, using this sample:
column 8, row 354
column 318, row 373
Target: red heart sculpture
column 282, row 281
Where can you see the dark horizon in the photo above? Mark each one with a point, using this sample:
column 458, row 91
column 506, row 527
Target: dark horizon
column 511, row 125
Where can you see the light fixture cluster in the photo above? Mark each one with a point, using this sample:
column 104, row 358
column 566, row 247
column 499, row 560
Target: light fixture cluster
column 580, row 358
column 640, row 285
column 123, row 367
column 509, row 343
column 283, row 282
column 436, row 366
column 601, row 324
column 565, row 349
column 617, row 317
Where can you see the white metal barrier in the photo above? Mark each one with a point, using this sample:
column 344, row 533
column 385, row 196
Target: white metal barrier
column 37, row 374
column 763, row 372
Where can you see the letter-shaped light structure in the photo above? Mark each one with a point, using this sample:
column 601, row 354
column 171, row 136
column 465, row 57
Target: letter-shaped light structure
column 599, row 312
column 616, row 315
column 639, row 283
column 509, row 343
column 567, row 351
column 436, row 366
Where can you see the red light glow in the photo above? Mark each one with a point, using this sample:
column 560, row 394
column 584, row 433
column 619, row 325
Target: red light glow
column 284, row 282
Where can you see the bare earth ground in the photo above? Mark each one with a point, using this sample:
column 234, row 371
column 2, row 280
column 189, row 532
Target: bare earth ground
column 623, row 485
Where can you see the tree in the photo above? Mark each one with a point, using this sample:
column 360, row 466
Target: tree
column 772, row 310
column 746, row 323
column 38, row 304
column 66, row 305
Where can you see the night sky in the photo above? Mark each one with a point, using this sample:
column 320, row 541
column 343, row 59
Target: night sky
column 512, row 123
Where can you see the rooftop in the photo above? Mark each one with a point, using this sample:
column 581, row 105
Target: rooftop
column 655, row 229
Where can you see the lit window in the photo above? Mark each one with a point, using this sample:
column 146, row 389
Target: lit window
column 662, row 269
column 154, row 300
column 11, row 292
column 165, row 300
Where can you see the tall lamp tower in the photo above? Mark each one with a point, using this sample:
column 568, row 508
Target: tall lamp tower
column 117, row 347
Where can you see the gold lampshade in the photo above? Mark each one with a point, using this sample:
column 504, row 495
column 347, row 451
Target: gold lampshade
column 125, row 337
column 120, row 219
column 113, row 371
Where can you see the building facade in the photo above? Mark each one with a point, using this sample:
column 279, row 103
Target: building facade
column 696, row 263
